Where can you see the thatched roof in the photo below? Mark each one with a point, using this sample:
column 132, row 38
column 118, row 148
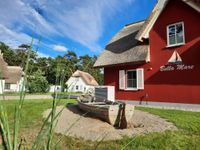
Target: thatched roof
column 3, row 67
column 89, row 80
column 124, row 48
column 15, row 73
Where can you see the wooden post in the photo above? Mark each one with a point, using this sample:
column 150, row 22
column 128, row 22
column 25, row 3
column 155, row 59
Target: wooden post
column 122, row 116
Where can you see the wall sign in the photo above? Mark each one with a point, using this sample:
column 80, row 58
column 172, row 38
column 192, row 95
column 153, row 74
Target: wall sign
column 175, row 63
column 177, row 67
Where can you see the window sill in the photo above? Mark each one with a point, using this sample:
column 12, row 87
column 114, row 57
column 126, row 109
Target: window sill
column 131, row 89
column 168, row 46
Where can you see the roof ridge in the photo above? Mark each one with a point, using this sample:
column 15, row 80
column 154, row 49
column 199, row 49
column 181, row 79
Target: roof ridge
column 88, row 78
column 14, row 67
column 134, row 23
column 82, row 71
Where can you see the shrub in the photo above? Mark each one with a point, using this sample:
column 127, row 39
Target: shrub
column 37, row 83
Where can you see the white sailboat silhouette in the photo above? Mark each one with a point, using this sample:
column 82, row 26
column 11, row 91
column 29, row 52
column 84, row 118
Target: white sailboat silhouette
column 175, row 58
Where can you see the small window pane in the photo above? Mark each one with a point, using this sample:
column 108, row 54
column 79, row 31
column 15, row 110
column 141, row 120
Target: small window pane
column 179, row 33
column 135, row 83
column 129, row 75
column 7, row 86
column 171, row 30
column 179, row 39
column 172, row 40
column 130, row 84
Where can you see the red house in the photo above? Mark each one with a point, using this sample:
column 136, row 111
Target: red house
column 157, row 60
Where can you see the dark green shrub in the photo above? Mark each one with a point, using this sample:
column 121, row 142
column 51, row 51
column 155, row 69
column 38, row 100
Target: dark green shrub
column 37, row 83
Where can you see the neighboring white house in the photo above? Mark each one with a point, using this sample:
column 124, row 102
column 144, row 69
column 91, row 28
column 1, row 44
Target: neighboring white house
column 11, row 77
column 81, row 82
column 14, row 82
column 55, row 88
column 3, row 73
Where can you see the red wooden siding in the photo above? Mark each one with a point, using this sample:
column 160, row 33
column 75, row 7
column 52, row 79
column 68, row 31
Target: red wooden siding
column 172, row 86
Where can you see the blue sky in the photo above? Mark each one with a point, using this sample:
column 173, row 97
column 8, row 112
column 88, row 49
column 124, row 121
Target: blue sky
column 83, row 26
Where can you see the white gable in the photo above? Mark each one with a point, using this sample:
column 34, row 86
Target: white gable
column 77, row 84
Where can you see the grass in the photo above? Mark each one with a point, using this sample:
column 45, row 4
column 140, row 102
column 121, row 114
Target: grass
column 48, row 93
column 186, row 138
column 32, row 110
column 185, row 120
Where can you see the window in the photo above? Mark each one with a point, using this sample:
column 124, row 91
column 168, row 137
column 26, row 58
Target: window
column 77, row 87
column 175, row 34
column 131, row 79
column 7, row 86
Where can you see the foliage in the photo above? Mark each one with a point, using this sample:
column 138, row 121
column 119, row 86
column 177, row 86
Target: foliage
column 68, row 63
column 87, row 63
column 37, row 83
column 8, row 54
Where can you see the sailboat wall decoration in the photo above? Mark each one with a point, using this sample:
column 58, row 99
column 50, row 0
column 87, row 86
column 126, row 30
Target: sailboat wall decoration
column 175, row 63
column 175, row 58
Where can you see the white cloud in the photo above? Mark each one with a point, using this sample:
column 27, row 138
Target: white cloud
column 59, row 48
column 20, row 14
column 13, row 38
column 40, row 54
column 82, row 21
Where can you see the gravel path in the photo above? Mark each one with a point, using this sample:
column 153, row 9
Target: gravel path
column 94, row 129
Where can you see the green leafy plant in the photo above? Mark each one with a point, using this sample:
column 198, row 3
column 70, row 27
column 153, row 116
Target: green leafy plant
column 11, row 140
column 37, row 83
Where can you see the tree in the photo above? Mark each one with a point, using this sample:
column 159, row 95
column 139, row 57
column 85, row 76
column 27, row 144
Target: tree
column 61, row 67
column 87, row 63
column 22, row 54
column 37, row 83
column 71, row 62
column 8, row 54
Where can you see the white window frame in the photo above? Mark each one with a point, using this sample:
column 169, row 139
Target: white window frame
column 137, row 80
column 177, row 44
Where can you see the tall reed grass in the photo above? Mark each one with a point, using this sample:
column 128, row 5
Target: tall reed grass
column 10, row 134
column 45, row 137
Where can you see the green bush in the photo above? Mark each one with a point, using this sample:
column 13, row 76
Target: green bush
column 37, row 83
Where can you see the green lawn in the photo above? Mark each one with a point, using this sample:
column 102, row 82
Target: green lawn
column 32, row 110
column 187, row 137
column 17, row 94
column 48, row 93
